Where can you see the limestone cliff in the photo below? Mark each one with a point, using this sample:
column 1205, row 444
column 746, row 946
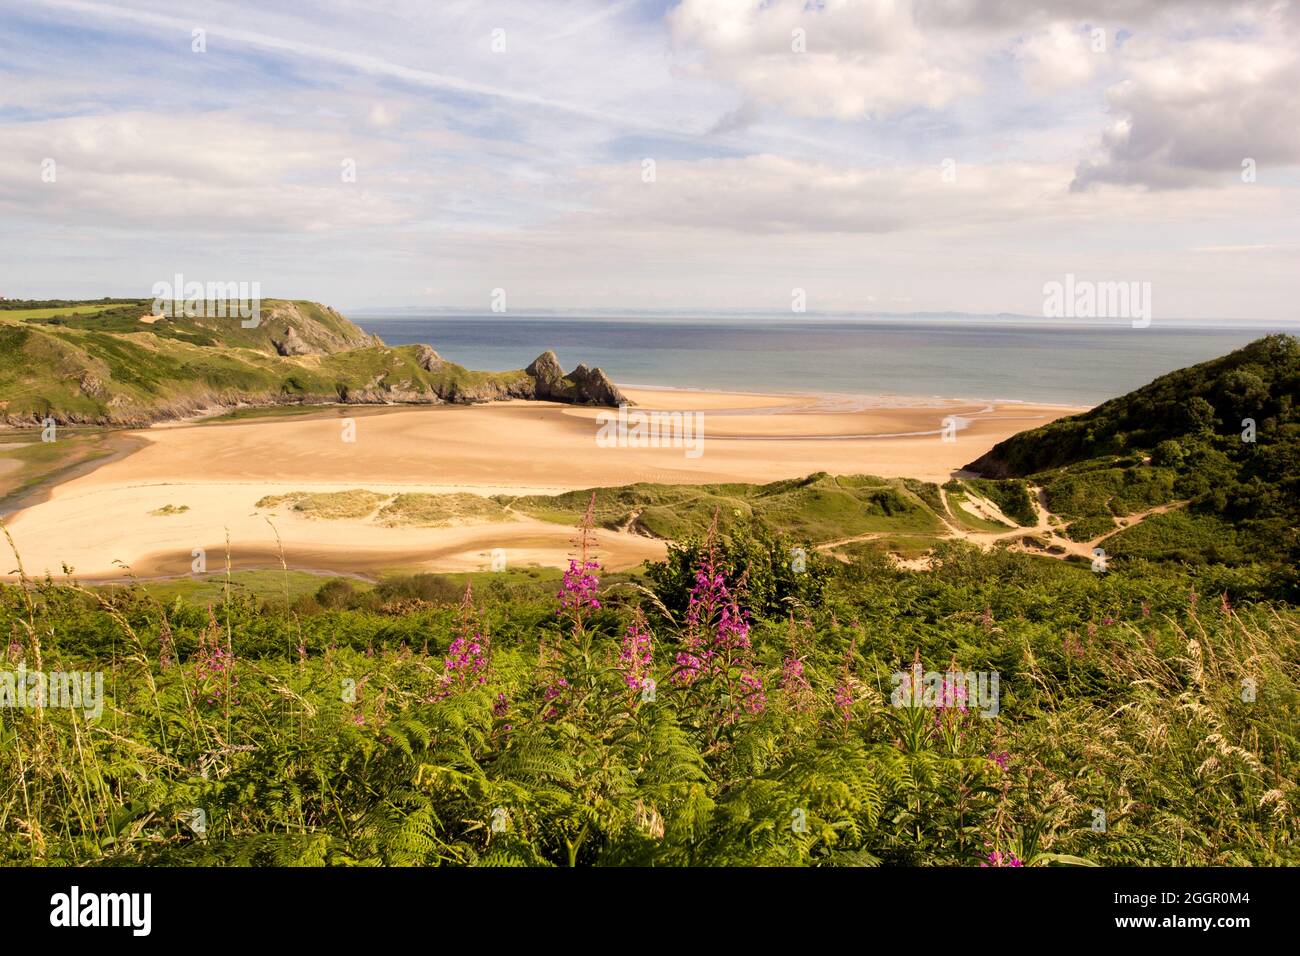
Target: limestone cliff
column 120, row 365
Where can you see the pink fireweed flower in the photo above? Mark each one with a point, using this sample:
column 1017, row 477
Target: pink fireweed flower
column 464, row 665
column 501, row 705
column 580, row 587
column 951, row 706
column 716, row 628
column 581, row 584
column 997, row 858
column 215, row 667
column 578, row 590
column 717, row 640
column 795, row 683
column 689, row 667
column 1001, row 758
column 553, row 694
column 844, row 691
column 468, row 658
column 844, row 701
column 951, row 714
column 952, row 693
column 636, row 658
column 753, row 699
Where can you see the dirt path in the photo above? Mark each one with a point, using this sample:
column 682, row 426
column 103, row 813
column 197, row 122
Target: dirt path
column 1058, row 545
column 629, row 525
column 869, row 536
column 1128, row 521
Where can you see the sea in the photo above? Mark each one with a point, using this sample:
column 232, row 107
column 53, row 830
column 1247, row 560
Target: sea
column 966, row 357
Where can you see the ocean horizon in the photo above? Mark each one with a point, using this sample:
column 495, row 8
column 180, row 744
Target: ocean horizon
column 1009, row 358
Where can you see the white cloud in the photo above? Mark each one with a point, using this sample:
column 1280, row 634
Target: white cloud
column 1063, row 56
column 179, row 172
column 840, row 58
column 775, row 195
column 1190, row 111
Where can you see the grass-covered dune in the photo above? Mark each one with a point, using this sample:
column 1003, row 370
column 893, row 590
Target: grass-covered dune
column 117, row 364
column 820, row 508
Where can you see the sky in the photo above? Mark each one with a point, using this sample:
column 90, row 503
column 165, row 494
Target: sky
column 866, row 155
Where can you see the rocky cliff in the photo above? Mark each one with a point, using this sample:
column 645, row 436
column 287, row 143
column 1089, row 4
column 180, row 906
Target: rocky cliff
column 120, row 365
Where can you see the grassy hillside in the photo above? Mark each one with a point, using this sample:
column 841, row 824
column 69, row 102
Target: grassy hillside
column 116, row 364
column 1216, row 444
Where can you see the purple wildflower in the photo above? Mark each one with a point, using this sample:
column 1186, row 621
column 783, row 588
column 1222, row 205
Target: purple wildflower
column 581, row 584
column 215, row 665
column 636, row 658
column 795, row 683
column 580, row 587
column 844, row 701
column 717, row 638
column 997, row 858
column 466, row 663
column 754, row 700
column 553, row 694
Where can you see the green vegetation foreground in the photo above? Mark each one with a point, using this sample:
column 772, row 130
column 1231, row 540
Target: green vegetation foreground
column 733, row 707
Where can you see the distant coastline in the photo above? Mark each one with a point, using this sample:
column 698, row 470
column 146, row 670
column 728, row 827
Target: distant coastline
column 969, row 318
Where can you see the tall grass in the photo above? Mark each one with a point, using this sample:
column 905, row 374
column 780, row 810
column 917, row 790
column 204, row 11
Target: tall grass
column 250, row 733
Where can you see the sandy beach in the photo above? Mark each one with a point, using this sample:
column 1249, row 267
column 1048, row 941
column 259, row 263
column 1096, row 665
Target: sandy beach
column 218, row 472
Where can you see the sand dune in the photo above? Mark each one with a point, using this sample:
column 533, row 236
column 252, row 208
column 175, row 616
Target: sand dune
column 219, row 471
